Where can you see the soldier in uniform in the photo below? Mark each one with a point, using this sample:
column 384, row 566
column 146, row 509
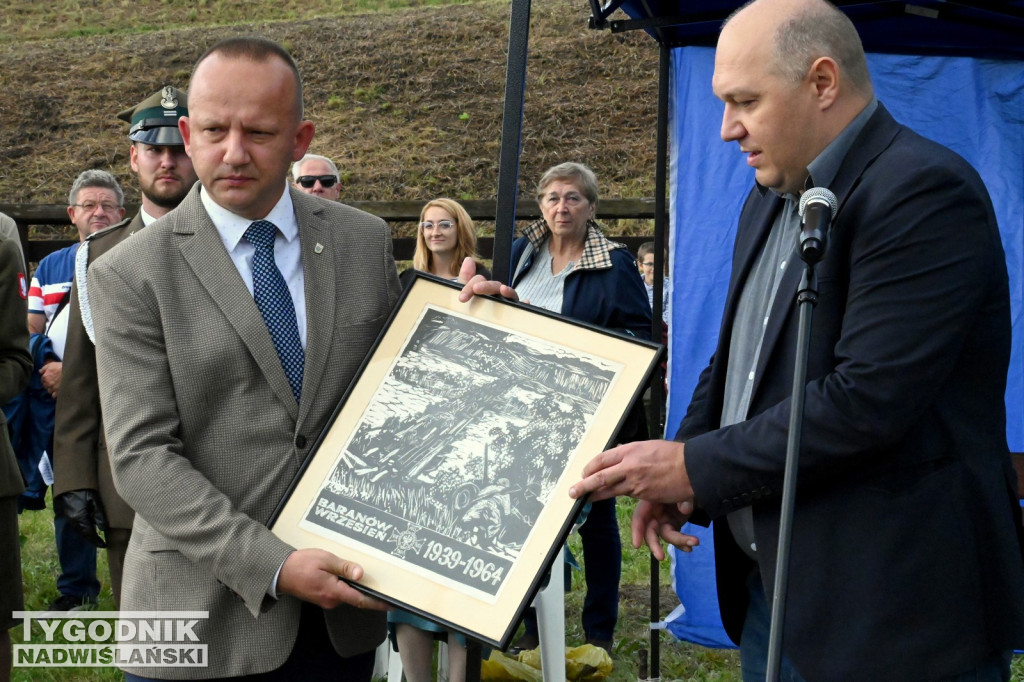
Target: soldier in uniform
column 9, row 230
column 15, row 366
column 83, row 485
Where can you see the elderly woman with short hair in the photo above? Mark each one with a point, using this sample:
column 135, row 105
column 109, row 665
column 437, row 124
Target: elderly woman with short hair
column 564, row 263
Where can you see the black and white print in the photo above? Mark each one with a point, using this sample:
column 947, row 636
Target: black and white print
column 460, row 448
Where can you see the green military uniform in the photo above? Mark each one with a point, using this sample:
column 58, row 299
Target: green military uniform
column 9, row 230
column 15, row 367
column 81, row 461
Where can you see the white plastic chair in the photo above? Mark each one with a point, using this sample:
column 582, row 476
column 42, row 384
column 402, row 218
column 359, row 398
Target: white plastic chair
column 550, row 605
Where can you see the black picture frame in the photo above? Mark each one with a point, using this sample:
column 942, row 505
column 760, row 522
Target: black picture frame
column 444, row 471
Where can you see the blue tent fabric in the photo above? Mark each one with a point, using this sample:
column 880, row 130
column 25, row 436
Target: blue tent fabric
column 693, row 579
column 974, row 106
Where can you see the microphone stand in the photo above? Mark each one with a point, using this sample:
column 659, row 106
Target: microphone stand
column 811, row 251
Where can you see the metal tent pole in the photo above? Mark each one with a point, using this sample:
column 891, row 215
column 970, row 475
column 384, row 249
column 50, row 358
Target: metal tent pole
column 511, row 139
column 508, row 182
column 657, row 408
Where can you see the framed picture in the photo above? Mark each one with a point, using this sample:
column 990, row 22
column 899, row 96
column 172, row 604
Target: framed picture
column 445, row 470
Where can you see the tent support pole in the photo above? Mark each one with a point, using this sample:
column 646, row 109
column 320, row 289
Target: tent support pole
column 511, row 139
column 657, row 408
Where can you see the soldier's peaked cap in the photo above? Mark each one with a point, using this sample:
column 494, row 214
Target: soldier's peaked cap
column 154, row 120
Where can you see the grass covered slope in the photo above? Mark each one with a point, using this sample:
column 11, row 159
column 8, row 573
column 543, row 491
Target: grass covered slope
column 407, row 101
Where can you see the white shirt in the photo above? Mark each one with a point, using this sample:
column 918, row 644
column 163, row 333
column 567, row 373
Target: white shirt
column 287, row 255
column 287, row 247
column 58, row 331
column 146, row 218
column 539, row 286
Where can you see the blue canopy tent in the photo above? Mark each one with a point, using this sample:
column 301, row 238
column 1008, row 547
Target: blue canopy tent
column 953, row 71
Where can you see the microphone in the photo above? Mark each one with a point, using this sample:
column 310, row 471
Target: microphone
column 818, row 206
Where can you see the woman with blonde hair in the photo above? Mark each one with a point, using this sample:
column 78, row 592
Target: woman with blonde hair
column 444, row 239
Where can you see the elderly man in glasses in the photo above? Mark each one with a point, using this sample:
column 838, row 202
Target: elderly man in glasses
column 315, row 174
column 94, row 203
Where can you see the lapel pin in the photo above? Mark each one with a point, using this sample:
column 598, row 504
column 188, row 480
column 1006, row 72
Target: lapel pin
column 319, row 248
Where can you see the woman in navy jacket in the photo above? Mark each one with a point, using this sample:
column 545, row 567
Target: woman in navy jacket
column 565, row 264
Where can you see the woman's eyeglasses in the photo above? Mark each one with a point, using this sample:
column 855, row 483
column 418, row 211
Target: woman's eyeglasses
column 326, row 181
column 571, row 199
column 441, row 224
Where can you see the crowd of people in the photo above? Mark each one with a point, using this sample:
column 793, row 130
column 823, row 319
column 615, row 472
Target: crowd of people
column 65, row 427
column 170, row 443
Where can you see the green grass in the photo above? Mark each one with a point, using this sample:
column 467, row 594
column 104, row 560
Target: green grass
column 678, row 660
column 39, row 570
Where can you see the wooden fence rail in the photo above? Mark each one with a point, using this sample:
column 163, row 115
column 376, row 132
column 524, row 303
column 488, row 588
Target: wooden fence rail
column 26, row 215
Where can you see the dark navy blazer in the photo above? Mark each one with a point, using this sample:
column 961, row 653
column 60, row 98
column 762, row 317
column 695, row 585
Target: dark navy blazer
column 906, row 558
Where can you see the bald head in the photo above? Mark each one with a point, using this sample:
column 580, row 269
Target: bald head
column 783, row 69
column 802, row 31
column 258, row 50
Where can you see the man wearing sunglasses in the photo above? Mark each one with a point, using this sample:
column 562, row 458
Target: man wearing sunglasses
column 315, row 174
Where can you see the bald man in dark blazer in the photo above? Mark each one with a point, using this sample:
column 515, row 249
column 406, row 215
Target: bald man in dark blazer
column 906, row 557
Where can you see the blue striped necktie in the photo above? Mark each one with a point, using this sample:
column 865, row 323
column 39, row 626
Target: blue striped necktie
column 275, row 303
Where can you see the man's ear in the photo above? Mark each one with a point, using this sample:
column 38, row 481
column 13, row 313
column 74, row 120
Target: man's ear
column 303, row 136
column 824, row 77
column 186, row 132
